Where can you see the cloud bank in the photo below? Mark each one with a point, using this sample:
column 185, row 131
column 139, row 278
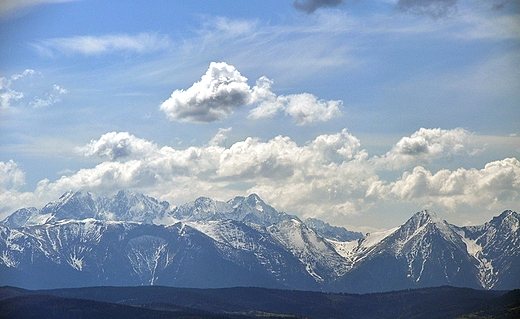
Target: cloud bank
column 329, row 175
column 223, row 89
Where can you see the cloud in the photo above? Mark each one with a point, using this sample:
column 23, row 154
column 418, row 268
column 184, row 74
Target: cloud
column 220, row 138
column 49, row 98
column 498, row 181
column 309, row 6
column 11, row 179
column 10, row 175
column 8, row 94
column 24, row 86
column 96, row 45
column 117, row 146
column 306, row 108
column 427, row 145
column 171, row 174
column 218, row 93
column 223, row 89
column 432, row 8
column 331, row 175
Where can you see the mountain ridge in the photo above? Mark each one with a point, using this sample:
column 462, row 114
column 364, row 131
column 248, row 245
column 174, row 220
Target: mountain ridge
column 244, row 241
column 251, row 302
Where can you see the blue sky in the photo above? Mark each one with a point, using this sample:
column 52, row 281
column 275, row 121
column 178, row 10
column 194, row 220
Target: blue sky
column 356, row 112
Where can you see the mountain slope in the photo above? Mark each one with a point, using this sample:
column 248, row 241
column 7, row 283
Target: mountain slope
column 426, row 251
column 124, row 206
column 79, row 240
column 495, row 245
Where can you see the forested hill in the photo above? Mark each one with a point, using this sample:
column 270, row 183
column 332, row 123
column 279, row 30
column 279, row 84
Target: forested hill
column 163, row 302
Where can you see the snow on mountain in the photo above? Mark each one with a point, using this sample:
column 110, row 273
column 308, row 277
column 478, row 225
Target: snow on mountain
column 425, row 239
column 319, row 257
column 249, row 209
column 21, row 218
column 495, row 245
column 201, row 209
column 128, row 206
column 331, row 232
column 354, row 250
column 124, row 206
column 133, row 239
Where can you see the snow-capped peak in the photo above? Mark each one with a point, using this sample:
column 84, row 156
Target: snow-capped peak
column 250, row 209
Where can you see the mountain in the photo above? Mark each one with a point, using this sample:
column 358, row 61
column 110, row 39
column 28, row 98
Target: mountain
column 124, row 206
column 425, row 251
column 132, row 239
column 331, row 232
column 495, row 246
column 250, row 209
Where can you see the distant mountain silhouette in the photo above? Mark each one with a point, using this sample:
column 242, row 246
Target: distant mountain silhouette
column 167, row 302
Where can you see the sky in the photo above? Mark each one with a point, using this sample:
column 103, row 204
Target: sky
column 359, row 113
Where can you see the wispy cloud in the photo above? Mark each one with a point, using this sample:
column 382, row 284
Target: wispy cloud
column 19, row 89
column 97, row 45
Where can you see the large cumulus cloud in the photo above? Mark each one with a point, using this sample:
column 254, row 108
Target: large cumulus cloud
column 218, row 93
column 498, row 181
column 331, row 175
column 223, row 89
column 426, row 145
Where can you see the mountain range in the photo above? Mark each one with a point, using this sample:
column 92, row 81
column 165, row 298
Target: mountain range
column 131, row 240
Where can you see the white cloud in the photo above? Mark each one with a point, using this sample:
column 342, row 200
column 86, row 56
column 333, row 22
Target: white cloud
column 8, row 94
column 11, row 179
column 10, row 175
column 49, row 98
column 330, row 175
column 498, row 181
column 221, row 137
column 218, row 93
column 232, row 28
column 223, row 89
column 118, row 146
column 426, row 145
column 22, row 87
column 96, row 45
column 306, row 108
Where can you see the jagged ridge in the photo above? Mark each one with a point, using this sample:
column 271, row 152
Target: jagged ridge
column 82, row 240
